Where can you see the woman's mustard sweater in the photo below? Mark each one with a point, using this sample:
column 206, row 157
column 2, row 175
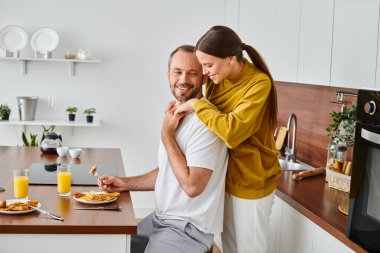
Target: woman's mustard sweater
column 239, row 114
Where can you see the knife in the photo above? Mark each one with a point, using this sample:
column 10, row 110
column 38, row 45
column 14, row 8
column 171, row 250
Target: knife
column 47, row 213
column 99, row 208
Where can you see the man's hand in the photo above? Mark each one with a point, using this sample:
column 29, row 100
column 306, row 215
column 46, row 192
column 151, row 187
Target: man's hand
column 111, row 184
column 171, row 121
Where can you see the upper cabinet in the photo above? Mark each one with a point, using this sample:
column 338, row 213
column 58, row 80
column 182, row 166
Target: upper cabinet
column 272, row 27
column 315, row 45
column 355, row 41
column 315, row 41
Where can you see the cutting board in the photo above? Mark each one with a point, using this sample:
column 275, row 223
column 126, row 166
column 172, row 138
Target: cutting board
column 281, row 136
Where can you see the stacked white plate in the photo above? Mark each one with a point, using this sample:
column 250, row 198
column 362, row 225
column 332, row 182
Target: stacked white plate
column 13, row 38
column 44, row 40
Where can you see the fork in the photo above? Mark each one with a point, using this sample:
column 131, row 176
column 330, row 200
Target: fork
column 97, row 175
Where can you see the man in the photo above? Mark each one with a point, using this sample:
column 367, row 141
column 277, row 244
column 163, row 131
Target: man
column 189, row 183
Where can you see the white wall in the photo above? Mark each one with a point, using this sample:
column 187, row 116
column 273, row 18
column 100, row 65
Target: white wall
column 129, row 88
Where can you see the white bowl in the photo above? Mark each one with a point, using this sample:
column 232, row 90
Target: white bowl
column 62, row 151
column 75, row 152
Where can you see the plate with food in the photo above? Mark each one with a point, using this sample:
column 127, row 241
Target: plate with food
column 96, row 197
column 17, row 206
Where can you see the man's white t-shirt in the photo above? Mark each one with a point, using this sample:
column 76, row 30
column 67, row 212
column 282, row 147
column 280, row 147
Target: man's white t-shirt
column 203, row 149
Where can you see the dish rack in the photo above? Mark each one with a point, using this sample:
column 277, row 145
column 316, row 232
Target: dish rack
column 338, row 180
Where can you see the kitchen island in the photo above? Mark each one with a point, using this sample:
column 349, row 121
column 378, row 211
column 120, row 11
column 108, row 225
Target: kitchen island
column 303, row 212
column 82, row 230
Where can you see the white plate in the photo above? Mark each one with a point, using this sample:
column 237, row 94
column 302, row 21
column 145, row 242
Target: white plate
column 13, row 38
column 94, row 202
column 44, row 40
column 10, row 201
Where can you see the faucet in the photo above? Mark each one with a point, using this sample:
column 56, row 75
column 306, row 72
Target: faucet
column 290, row 153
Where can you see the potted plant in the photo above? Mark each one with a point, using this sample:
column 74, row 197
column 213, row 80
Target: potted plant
column 5, row 111
column 89, row 112
column 341, row 134
column 342, row 130
column 71, row 110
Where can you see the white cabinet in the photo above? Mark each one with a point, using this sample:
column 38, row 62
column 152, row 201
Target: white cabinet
column 272, row 27
column 292, row 232
column 315, row 41
column 256, row 26
column 354, row 49
column 316, row 31
column 296, row 231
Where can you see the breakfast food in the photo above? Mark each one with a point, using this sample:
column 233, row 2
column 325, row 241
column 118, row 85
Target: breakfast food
column 92, row 170
column 17, row 206
column 96, row 196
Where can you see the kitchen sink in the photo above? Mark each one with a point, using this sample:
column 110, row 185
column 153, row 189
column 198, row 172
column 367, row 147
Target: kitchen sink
column 290, row 165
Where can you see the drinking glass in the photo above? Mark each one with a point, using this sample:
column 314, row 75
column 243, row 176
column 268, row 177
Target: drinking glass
column 51, row 107
column 64, row 180
column 21, row 183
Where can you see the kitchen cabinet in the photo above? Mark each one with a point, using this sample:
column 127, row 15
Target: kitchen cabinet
column 315, row 45
column 24, row 63
column 290, row 231
column 272, row 27
column 315, row 41
column 355, row 39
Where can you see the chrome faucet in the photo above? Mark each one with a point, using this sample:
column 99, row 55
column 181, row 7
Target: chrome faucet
column 290, row 153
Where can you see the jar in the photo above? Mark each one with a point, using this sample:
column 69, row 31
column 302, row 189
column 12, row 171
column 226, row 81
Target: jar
column 336, row 157
column 331, row 154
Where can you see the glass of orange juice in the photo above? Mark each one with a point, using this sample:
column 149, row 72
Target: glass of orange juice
column 64, row 180
column 21, row 183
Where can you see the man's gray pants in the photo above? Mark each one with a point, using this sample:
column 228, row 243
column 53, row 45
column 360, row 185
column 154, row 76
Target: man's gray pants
column 156, row 235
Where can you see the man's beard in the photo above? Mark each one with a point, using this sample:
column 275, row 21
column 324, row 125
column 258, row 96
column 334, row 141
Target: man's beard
column 182, row 98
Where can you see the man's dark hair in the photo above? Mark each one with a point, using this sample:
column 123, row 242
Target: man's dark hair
column 185, row 48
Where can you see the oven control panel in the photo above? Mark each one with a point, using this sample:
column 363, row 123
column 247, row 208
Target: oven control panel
column 368, row 109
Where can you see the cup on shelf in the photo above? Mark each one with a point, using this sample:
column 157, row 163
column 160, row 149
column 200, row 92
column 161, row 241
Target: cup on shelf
column 21, row 183
column 75, row 152
column 69, row 54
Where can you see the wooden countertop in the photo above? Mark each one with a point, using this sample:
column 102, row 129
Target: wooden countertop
column 76, row 221
column 314, row 199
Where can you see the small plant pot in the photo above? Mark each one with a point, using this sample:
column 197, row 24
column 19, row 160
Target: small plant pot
column 90, row 118
column 5, row 116
column 71, row 117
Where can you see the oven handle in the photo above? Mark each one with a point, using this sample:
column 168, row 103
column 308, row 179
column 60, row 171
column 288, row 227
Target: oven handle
column 370, row 136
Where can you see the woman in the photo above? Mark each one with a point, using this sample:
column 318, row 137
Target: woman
column 243, row 112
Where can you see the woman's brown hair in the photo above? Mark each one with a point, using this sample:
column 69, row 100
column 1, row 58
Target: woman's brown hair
column 222, row 42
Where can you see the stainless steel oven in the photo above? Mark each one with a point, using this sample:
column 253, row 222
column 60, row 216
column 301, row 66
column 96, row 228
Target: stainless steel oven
column 364, row 209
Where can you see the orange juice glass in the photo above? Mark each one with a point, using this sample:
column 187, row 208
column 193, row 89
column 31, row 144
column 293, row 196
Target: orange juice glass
column 21, row 183
column 64, row 180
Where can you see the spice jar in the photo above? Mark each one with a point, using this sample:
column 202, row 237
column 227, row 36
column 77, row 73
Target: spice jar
column 331, row 154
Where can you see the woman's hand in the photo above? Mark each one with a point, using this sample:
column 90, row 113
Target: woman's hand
column 186, row 107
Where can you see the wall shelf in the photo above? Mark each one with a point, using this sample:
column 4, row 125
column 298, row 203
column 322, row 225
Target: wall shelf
column 43, row 122
column 72, row 62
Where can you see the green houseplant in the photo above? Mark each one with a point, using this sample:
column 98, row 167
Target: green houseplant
column 5, row 111
column 342, row 130
column 89, row 116
column 71, row 110
column 33, row 142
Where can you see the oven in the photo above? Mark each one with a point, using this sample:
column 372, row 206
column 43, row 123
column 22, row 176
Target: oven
column 363, row 226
